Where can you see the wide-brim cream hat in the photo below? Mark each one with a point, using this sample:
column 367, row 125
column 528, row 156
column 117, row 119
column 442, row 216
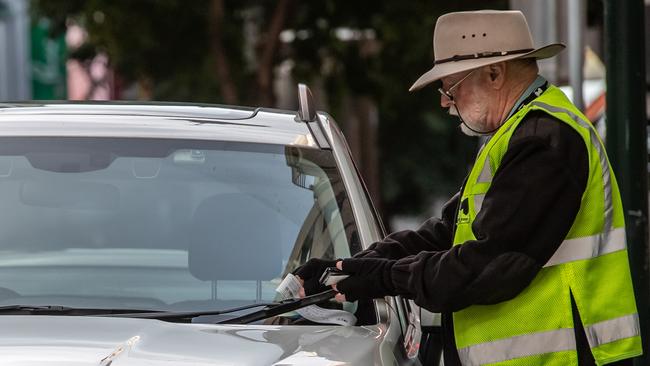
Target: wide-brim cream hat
column 468, row 40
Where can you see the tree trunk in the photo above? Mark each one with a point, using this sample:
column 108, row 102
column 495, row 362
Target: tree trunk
column 267, row 53
column 361, row 131
column 221, row 65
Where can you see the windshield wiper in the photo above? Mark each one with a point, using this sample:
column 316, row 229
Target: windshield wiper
column 270, row 309
column 61, row 310
column 284, row 307
column 34, row 308
column 186, row 314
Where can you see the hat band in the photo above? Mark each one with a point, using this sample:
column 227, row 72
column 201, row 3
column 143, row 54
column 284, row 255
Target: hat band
column 480, row 55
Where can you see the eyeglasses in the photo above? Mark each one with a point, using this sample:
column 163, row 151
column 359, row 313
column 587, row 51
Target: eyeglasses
column 448, row 93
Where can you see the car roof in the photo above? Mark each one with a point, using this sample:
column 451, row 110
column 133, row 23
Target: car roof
column 153, row 120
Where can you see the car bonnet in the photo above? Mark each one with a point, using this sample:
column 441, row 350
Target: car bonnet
column 79, row 341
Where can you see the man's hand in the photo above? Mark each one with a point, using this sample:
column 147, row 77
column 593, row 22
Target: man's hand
column 370, row 278
column 309, row 274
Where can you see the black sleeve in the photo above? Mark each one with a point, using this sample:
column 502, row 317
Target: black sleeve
column 433, row 235
column 533, row 200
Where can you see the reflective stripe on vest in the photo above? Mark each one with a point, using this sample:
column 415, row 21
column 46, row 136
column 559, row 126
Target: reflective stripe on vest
column 613, row 329
column 486, row 173
column 587, row 247
column 519, row 346
column 547, row 342
column 478, row 201
column 580, row 248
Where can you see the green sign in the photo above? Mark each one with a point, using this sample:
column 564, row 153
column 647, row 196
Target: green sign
column 48, row 63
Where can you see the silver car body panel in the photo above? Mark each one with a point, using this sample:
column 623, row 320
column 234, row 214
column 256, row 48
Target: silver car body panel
column 80, row 341
column 367, row 223
column 183, row 110
column 259, row 126
column 66, row 340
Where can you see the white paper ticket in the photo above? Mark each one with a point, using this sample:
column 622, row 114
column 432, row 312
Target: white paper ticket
column 289, row 289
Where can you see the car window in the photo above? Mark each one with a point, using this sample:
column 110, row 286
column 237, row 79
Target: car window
column 162, row 223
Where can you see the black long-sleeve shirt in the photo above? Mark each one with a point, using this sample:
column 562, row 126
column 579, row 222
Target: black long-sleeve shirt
column 527, row 212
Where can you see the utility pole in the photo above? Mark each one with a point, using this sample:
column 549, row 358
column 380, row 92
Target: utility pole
column 626, row 140
column 577, row 15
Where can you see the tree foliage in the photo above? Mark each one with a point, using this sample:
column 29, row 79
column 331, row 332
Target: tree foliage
column 226, row 51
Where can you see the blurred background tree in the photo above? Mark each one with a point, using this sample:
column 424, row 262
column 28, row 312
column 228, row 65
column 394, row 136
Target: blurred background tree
column 360, row 56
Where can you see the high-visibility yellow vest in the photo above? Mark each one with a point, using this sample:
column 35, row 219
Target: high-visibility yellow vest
column 536, row 327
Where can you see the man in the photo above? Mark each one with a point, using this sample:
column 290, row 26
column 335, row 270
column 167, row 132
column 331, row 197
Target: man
column 528, row 263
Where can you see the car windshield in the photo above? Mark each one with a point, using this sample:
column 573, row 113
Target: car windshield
column 163, row 224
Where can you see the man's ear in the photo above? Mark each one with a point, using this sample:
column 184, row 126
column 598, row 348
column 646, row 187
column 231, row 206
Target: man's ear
column 497, row 75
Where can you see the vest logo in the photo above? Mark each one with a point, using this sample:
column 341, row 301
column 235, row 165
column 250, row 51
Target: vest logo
column 464, row 206
column 463, row 212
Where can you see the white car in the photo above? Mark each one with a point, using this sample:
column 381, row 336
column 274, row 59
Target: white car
column 157, row 234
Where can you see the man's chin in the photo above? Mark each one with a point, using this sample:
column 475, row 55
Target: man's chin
column 469, row 132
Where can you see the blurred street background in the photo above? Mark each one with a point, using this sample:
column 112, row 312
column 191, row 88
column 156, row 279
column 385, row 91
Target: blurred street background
column 359, row 57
